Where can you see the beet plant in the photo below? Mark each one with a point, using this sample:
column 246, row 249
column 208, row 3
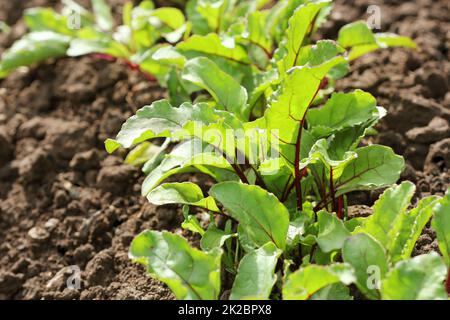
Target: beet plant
column 284, row 154
column 252, row 105
column 240, row 37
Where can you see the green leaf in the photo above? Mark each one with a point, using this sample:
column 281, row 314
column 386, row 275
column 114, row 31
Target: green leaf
column 262, row 218
column 204, row 15
column 170, row 56
column 160, row 119
column 394, row 40
column 366, row 256
column 387, row 210
column 408, row 228
column 255, row 277
column 305, row 282
column 441, row 224
column 103, row 15
column 375, row 167
column 171, row 17
column 360, row 39
column 190, row 273
column 336, row 291
column 420, row 278
column 383, row 40
column 321, row 52
column 319, row 153
column 46, row 19
column 90, row 40
column 300, row 24
column 191, row 222
column 32, row 48
column 257, row 32
column 223, row 88
column 342, row 110
column 212, row 45
column 332, row 232
column 189, row 156
column 289, row 105
column 355, row 34
column 143, row 153
column 184, row 193
column 214, row 238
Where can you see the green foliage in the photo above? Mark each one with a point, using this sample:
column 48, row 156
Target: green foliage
column 441, row 224
column 255, row 275
column 283, row 159
column 307, row 281
column 419, row 278
column 251, row 105
column 362, row 251
column 189, row 272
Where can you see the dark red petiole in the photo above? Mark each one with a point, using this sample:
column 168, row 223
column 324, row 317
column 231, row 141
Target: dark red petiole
column 132, row 66
column 103, row 56
column 340, row 208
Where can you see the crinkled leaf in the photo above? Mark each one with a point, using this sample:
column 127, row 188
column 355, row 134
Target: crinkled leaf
column 262, row 218
column 255, row 276
column 190, row 273
column 419, row 278
column 364, row 253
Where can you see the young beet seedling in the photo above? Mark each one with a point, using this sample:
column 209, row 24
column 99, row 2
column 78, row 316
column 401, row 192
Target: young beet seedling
column 278, row 227
column 77, row 31
column 239, row 37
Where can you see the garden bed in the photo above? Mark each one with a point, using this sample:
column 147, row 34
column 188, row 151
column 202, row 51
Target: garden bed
column 65, row 201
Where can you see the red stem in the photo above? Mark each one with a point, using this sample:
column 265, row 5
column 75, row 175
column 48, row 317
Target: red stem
column 240, row 173
column 297, row 174
column 340, row 211
column 132, row 66
column 332, row 193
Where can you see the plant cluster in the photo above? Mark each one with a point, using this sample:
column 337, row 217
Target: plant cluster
column 252, row 105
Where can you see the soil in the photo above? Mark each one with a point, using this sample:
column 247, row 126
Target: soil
column 65, row 202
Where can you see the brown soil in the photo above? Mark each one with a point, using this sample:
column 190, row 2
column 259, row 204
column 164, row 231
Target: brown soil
column 64, row 201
